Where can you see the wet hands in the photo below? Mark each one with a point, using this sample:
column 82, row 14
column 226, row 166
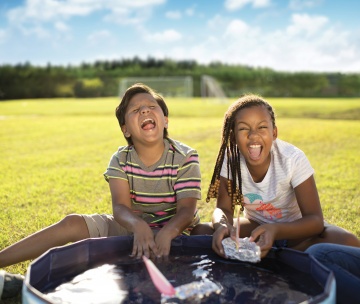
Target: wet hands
column 144, row 242
column 222, row 231
column 150, row 243
column 163, row 243
column 264, row 236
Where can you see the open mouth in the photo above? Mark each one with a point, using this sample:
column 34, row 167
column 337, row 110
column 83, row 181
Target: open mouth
column 148, row 124
column 255, row 151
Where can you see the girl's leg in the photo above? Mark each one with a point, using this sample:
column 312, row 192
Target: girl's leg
column 71, row 229
column 336, row 235
column 344, row 261
column 203, row 229
column 246, row 227
column 331, row 234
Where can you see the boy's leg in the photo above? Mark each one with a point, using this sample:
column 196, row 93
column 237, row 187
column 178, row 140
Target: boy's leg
column 71, row 229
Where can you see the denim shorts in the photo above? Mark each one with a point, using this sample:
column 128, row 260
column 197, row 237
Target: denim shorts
column 280, row 243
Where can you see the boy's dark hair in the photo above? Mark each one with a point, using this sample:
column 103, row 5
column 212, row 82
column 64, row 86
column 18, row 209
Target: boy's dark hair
column 229, row 147
column 130, row 93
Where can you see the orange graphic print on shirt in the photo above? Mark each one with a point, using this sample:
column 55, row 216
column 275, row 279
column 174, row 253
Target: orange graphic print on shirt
column 255, row 202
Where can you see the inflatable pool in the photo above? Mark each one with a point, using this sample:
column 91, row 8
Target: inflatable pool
column 110, row 275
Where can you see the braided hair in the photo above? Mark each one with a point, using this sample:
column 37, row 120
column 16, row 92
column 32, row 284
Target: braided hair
column 228, row 146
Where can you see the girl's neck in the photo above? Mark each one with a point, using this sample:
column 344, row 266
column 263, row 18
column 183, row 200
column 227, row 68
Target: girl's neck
column 258, row 173
column 150, row 154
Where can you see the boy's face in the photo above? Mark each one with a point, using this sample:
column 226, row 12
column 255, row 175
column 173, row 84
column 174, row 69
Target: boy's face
column 144, row 119
column 254, row 134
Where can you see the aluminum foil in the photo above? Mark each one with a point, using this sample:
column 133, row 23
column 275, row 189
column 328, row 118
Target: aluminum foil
column 247, row 251
column 192, row 291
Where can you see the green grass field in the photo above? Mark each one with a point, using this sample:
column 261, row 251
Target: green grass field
column 53, row 154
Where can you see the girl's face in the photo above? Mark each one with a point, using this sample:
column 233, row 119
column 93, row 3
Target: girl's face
column 254, row 134
column 144, row 119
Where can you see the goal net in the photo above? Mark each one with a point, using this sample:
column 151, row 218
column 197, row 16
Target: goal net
column 166, row 86
column 211, row 88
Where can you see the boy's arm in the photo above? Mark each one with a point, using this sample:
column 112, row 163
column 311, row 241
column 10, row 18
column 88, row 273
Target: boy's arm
column 121, row 204
column 185, row 210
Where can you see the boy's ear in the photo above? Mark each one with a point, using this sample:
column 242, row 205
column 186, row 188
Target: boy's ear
column 125, row 132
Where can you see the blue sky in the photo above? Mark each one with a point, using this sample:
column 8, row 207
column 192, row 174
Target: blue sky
column 285, row 35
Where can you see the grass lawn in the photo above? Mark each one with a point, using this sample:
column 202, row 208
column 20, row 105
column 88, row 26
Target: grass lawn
column 53, row 154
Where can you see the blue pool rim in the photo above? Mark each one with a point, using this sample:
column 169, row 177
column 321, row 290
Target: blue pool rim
column 82, row 255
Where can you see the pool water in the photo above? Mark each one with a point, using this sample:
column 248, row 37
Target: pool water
column 124, row 279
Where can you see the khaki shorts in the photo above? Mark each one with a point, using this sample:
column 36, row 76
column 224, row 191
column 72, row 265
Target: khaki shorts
column 104, row 225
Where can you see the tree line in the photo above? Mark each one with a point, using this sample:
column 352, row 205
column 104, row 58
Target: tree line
column 101, row 78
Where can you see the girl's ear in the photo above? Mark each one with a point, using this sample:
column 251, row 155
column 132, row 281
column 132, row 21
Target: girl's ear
column 166, row 122
column 232, row 137
column 275, row 131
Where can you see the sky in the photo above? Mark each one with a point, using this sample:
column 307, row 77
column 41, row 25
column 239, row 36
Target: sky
column 284, row 35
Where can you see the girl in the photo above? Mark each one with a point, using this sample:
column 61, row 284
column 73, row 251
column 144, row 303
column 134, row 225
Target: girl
column 271, row 180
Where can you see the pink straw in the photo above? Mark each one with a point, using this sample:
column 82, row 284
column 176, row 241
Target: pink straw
column 160, row 282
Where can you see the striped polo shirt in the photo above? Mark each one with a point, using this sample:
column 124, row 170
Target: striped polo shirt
column 155, row 190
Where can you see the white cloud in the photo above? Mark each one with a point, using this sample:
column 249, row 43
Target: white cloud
column 97, row 37
column 233, row 5
column 173, row 15
column 50, row 10
column 304, row 4
column 126, row 16
column 61, row 26
column 217, row 22
column 307, row 43
column 303, row 23
column 3, row 35
column 164, row 37
column 190, row 11
column 37, row 30
column 236, row 28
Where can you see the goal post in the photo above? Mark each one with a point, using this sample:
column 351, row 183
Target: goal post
column 170, row 86
column 211, row 88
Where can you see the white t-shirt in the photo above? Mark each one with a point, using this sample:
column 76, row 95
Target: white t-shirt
column 273, row 199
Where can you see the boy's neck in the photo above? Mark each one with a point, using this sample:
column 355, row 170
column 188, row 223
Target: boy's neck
column 150, row 154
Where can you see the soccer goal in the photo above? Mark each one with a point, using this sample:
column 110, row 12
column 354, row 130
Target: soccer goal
column 166, row 86
column 211, row 88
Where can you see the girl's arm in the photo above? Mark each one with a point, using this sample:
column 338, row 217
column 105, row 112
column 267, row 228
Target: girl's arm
column 222, row 218
column 185, row 210
column 144, row 242
column 311, row 223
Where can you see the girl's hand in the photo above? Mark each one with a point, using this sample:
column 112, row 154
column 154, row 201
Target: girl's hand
column 264, row 236
column 220, row 233
column 144, row 243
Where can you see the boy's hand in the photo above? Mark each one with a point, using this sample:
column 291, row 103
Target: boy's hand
column 163, row 243
column 144, row 243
